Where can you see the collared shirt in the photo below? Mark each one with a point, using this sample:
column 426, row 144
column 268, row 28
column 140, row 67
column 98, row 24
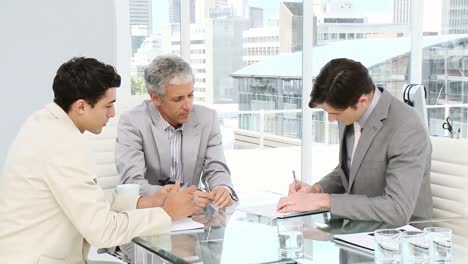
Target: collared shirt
column 174, row 137
column 349, row 136
column 175, row 143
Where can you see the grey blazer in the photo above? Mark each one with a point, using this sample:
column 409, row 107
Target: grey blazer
column 142, row 152
column 389, row 177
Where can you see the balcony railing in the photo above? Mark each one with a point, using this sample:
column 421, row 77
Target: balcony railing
column 277, row 128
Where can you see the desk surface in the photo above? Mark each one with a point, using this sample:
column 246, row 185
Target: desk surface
column 237, row 237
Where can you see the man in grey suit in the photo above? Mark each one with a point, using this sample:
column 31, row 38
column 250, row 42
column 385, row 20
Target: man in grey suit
column 168, row 138
column 385, row 152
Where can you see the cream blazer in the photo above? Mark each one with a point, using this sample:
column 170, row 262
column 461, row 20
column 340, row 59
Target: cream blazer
column 51, row 208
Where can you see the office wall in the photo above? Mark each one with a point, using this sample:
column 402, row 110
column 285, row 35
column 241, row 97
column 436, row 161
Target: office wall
column 36, row 38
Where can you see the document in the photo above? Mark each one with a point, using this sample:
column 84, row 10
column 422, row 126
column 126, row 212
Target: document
column 268, row 209
column 364, row 240
column 186, row 224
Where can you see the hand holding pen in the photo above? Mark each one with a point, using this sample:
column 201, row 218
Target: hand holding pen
column 297, row 186
column 202, row 199
column 300, row 186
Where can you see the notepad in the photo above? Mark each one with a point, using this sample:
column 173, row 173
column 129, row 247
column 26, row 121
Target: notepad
column 365, row 240
column 186, row 224
column 268, row 209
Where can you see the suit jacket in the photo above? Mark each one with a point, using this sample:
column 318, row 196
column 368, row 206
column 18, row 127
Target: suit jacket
column 143, row 156
column 389, row 177
column 50, row 204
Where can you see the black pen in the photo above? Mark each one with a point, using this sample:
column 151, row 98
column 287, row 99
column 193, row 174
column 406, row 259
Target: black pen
column 295, row 180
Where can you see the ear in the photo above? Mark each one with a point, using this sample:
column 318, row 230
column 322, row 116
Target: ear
column 79, row 106
column 157, row 100
column 364, row 99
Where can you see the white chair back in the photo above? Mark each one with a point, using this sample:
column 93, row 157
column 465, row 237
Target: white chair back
column 449, row 180
column 103, row 145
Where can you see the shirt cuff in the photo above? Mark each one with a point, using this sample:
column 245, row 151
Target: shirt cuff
column 320, row 186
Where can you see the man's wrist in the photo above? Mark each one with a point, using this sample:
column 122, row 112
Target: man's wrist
column 144, row 202
column 230, row 191
column 316, row 188
column 326, row 201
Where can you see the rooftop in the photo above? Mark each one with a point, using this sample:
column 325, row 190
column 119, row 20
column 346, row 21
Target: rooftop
column 370, row 52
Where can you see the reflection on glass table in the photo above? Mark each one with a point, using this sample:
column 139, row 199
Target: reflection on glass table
column 231, row 236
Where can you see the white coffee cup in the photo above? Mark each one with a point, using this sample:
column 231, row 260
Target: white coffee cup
column 128, row 189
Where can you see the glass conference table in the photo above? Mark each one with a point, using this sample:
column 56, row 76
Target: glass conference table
column 233, row 236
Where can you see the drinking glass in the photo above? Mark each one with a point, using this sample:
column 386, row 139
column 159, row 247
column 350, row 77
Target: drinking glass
column 291, row 239
column 387, row 246
column 440, row 244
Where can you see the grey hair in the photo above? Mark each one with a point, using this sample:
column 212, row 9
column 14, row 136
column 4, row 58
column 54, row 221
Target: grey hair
column 166, row 69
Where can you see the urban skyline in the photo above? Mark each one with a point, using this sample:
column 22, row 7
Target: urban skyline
column 336, row 21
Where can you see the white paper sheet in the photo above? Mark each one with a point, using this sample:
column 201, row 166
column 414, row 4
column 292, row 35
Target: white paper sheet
column 186, row 224
column 268, row 209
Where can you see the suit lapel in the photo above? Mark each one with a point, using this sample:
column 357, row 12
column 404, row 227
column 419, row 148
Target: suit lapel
column 162, row 143
column 190, row 145
column 371, row 128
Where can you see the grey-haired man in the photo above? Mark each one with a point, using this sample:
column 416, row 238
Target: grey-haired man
column 168, row 138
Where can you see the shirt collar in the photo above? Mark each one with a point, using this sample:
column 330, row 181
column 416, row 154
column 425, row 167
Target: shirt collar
column 375, row 99
column 165, row 125
column 60, row 114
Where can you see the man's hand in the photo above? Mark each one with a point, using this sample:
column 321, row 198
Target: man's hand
column 179, row 203
column 300, row 202
column 160, row 196
column 202, row 200
column 300, row 186
column 221, row 197
column 157, row 199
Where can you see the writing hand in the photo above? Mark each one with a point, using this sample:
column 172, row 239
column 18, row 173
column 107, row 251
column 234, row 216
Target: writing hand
column 301, row 187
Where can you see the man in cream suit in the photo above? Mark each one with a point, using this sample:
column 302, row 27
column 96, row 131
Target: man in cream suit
column 385, row 152
column 50, row 204
column 168, row 138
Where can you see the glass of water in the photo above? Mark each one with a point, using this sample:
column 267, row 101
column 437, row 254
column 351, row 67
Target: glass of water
column 440, row 244
column 414, row 247
column 291, row 239
column 387, row 246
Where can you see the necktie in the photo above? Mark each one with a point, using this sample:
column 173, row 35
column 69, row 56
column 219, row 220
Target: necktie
column 357, row 135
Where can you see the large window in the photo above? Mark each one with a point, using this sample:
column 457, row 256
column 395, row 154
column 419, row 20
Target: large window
column 247, row 57
column 445, row 66
column 225, row 38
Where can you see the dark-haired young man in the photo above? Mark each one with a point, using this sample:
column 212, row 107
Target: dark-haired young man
column 50, row 204
column 385, row 152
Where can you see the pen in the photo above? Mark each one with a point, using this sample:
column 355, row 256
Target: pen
column 295, row 180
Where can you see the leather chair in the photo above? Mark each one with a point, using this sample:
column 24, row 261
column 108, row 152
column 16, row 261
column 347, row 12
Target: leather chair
column 449, row 181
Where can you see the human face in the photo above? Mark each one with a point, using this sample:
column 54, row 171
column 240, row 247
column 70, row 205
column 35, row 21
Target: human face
column 175, row 106
column 350, row 114
column 93, row 119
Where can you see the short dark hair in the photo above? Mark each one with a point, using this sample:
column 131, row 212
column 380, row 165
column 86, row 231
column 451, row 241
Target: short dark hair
column 340, row 83
column 83, row 78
